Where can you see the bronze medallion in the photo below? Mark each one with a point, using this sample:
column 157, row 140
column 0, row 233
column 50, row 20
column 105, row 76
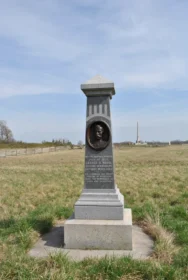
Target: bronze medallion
column 98, row 135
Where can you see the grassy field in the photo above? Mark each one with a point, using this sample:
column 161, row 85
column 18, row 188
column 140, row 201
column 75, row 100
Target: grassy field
column 38, row 190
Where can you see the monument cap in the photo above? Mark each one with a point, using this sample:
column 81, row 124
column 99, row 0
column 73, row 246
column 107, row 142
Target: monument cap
column 97, row 86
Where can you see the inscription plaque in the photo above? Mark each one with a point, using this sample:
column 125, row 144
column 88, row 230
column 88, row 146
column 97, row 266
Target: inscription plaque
column 99, row 171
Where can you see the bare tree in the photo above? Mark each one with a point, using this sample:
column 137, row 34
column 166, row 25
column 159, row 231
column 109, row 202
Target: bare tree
column 6, row 134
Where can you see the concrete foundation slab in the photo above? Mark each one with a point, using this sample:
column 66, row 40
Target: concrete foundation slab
column 53, row 242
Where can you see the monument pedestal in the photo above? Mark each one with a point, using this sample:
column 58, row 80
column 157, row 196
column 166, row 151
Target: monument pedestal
column 99, row 234
column 100, row 220
column 100, row 204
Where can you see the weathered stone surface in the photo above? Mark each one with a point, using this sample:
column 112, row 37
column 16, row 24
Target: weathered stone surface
column 99, row 163
column 97, row 204
column 99, row 171
column 98, row 106
column 98, row 80
column 99, row 234
column 99, row 159
column 99, row 83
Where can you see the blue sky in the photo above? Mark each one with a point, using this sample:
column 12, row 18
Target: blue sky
column 49, row 47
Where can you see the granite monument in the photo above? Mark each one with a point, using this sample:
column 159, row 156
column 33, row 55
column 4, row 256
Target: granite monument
column 100, row 219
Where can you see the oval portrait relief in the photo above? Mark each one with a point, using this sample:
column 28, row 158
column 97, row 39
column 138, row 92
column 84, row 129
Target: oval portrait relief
column 98, row 135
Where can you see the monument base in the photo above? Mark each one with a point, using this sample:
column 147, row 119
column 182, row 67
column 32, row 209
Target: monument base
column 99, row 234
column 100, row 204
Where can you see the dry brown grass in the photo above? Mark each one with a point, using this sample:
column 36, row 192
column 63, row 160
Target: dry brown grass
column 152, row 174
column 131, row 277
column 165, row 249
column 155, row 175
column 28, row 181
column 154, row 182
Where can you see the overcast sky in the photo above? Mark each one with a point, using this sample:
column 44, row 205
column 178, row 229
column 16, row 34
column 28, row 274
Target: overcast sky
column 49, row 47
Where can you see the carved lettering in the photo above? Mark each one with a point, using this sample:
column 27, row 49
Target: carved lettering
column 99, row 169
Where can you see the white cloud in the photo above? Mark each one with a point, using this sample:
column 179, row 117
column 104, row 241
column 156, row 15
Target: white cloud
column 37, row 35
column 53, row 46
column 138, row 44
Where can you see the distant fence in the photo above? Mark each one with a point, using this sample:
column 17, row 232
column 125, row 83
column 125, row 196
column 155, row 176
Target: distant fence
column 30, row 151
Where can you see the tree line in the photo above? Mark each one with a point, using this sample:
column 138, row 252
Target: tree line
column 6, row 137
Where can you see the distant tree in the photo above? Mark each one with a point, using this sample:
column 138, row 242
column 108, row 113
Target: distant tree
column 66, row 142
column 59, row 142
column 80, row 144
column 6, row 134
column 176, row 142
